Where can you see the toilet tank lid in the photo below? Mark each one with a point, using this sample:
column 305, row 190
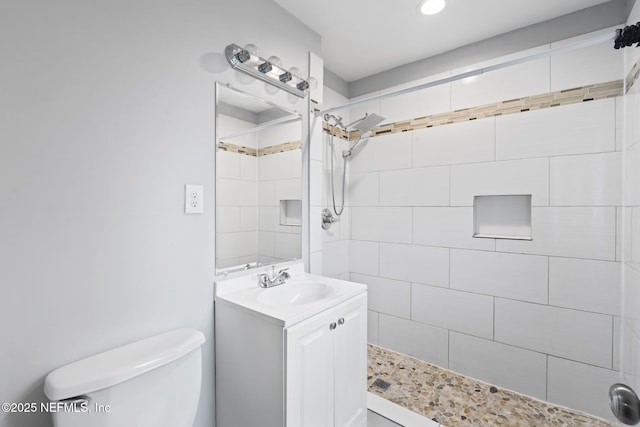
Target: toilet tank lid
column 120, row 364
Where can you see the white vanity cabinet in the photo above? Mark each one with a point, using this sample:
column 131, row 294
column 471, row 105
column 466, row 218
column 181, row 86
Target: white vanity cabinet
column 292, row 366
column 326, row 367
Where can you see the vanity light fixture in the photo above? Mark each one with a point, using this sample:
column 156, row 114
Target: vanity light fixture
column 431, row 7
column 269, row 70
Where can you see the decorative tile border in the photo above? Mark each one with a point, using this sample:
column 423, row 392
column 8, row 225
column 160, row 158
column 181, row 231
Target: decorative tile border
column 632, row 77
column 255, row 152
column 536, row 102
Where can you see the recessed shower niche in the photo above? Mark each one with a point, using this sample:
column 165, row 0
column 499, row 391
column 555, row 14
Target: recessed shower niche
column 502, row 217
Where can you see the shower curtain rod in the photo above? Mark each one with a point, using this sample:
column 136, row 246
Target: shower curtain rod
column 567, row 48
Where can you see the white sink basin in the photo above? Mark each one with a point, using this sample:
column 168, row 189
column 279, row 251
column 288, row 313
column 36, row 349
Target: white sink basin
column 295, row 293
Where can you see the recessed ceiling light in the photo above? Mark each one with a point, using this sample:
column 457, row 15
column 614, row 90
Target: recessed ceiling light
column 430, row 7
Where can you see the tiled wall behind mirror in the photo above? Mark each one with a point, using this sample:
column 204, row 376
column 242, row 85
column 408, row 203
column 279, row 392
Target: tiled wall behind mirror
column 258, row 164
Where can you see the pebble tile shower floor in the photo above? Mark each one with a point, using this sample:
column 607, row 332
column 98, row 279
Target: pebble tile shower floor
column 455, row 400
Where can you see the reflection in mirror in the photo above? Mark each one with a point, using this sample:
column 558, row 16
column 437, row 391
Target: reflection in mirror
column 258, row 182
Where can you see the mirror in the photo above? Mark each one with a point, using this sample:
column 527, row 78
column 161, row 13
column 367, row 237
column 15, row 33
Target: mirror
column 258, row 182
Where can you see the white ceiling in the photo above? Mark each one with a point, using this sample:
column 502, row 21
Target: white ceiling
column 365, row 37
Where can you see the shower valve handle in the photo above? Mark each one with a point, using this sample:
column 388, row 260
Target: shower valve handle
column 328, row 219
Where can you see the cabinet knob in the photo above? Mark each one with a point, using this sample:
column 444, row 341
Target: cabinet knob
column 332, row 326
column 341, row 321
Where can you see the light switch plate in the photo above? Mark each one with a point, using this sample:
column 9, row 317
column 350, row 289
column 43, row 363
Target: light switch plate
column 193, row 199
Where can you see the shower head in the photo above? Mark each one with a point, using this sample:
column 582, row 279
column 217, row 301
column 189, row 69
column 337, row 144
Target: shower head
column 368, row 122
column 364, row 125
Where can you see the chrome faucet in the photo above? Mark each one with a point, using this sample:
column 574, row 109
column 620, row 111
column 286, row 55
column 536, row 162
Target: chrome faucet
column 266, row 280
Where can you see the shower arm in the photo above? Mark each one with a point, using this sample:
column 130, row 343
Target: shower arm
column 562, row 49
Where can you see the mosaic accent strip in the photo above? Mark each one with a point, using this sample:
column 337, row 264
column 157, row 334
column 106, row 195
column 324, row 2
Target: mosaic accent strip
column 536, row 102
column 280, row 148
column 632, row 77
column 456, row 400
column 255, row 152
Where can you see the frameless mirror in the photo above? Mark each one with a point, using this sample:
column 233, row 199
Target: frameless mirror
column 258, row 182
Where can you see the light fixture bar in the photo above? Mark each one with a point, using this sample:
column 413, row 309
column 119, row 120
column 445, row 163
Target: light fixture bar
column 260, row 68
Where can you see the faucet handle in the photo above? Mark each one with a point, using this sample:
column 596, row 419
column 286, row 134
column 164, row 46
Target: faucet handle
column 283, row 273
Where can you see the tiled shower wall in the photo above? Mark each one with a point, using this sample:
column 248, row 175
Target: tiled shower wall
column 539, row 317
column 249, row 191
column 631, row 303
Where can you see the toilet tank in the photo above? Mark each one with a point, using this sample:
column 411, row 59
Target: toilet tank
column 152, row 382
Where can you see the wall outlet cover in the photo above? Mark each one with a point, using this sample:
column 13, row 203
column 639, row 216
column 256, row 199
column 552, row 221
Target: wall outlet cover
column 193, row 199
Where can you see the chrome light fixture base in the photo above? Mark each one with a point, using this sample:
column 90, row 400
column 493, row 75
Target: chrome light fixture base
column 260, row 68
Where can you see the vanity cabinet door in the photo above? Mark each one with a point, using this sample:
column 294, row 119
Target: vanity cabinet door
column 326, row 368
column 350, row 362
column 309, row 372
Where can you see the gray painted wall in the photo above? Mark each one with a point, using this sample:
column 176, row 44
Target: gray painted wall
column 585, row 21
column 105, row 115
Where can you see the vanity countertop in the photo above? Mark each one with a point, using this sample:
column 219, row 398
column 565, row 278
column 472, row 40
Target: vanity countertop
column 302, row 296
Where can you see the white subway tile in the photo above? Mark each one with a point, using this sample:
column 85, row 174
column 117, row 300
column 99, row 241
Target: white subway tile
column 588, row 127
column 288, row 246
column 335, row 258
column 421, row 103
column 363, row 257
column 632, row 179
column 467, row 142
column 631, row 302
column 580, row 386
column 588, row 65
column 630, row 355
column 517, row 81
column 620, row 123
column 267, row 244
column 277, row 166
column 617, row 341
column 233, row 192
column 425, row 342
column 529, row 176
column 386, row 152
column 316, row 232
column 363, row 189
column 236, row 245
column 382, row 224
column 228, row 219
column 316, row 184
column 577, row 232
column 632, row 235
column 415, row 187
column 372, row 327
column 249, row 218
column 447, row 227
column 450, row 309
column 575, row 335
column 267, row 193
column 419, row 264
column 586, row 180
column 248, row 167
column 227, row 164
column 587, row 285
column 514, row 276
column 386, row 296
column 506, row 366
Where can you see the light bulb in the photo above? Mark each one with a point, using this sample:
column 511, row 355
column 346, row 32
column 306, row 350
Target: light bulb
column 431, row 7
column 275, row 61
column 252, row 49
column 313, row 83
column 295, row 72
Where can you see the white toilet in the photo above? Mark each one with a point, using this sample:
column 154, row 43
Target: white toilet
column 150, row 383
